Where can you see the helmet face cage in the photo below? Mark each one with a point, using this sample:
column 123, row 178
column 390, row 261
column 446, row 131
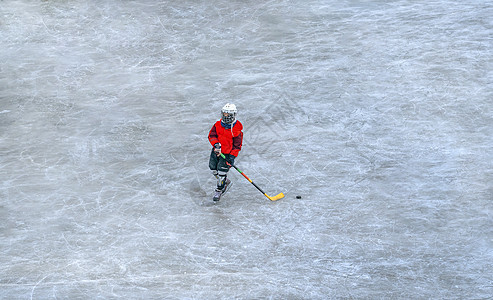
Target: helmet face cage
column 228, row 113
column 228, row 116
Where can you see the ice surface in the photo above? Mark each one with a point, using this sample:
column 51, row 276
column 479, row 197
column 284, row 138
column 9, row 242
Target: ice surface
column 378, row 112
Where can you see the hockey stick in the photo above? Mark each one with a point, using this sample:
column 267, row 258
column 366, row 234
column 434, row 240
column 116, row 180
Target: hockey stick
column 276, row 197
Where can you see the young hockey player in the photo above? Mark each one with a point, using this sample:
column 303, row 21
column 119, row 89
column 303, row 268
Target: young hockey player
column 225, row 137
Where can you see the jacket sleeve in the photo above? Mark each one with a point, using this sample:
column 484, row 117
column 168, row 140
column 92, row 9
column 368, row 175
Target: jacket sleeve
column 237, row 143
column 213, row 138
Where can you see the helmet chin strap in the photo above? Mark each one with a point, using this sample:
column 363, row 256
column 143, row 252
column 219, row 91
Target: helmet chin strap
column 232, row 125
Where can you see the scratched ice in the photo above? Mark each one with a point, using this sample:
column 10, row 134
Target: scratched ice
column 379, row 113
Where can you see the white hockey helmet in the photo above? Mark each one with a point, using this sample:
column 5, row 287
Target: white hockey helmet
column 228, row 113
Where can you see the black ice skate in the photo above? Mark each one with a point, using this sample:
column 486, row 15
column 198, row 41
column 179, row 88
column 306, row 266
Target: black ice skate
column 219, row 192
column 217, row 195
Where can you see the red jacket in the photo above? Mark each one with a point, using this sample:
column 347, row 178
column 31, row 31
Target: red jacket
column 231, row 139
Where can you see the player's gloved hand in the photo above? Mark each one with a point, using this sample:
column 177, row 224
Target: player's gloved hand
column 217, row 149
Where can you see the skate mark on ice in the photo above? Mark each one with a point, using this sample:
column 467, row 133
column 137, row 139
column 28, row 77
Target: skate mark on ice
column 199, row 195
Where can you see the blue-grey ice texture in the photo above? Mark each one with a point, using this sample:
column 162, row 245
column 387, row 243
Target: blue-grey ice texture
column 378, row 112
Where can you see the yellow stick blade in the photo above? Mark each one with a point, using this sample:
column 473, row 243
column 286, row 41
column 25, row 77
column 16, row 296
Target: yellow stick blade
column 276, row 197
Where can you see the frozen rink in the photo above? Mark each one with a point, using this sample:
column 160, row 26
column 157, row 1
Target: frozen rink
column 379, row 113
